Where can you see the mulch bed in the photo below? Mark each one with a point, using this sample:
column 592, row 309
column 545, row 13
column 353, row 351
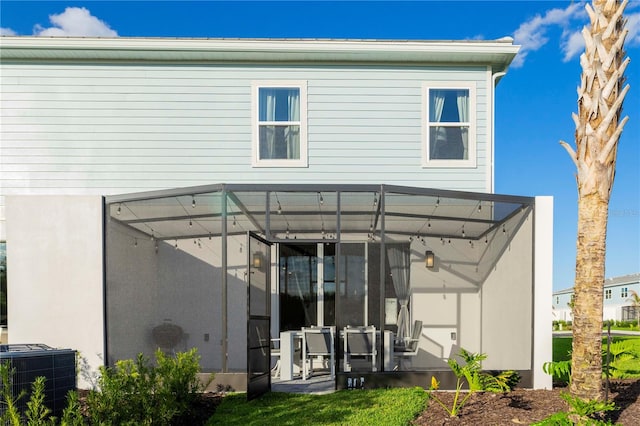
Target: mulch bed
column 525, row 406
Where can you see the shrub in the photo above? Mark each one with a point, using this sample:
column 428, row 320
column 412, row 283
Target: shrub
column 72, row 414
column 134, row 392
column 179, row 379
column 11, row 415
column 37, row 413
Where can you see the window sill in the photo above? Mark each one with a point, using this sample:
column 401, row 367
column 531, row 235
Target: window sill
column 449, row 164
column 285, row 164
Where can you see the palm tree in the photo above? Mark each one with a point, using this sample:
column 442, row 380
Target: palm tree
column 635, row 302
column 598, row 128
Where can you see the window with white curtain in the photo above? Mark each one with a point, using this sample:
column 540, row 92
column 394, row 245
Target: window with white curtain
column 449, row 125
column 279, row 125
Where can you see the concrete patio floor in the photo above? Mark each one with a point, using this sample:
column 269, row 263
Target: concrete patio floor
column 317, row 385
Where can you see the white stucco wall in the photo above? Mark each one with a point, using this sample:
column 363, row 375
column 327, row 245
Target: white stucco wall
column 507, row 295
column 543, row 282
column 55, row 273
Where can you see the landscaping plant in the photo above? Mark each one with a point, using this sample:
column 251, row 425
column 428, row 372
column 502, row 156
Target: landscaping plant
column 622, row 353
column 580, row 413
column 623, row 364
column 11, row 415
column 72, row 414
column 559, row 370
column 134, row 392
column 476, row 380
column 37, row 413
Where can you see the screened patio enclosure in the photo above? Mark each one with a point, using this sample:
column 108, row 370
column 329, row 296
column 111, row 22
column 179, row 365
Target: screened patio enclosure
column 457, row 265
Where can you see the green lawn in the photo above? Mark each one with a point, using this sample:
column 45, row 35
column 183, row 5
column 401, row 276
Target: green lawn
column 352, row 407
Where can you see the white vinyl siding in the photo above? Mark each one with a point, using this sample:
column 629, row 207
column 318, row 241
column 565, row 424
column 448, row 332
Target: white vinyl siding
column 99, row 129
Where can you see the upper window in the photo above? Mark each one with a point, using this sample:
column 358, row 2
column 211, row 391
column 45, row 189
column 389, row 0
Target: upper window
column 280, row 124
column 607, row 294
column 449, row 129
column 624, row 292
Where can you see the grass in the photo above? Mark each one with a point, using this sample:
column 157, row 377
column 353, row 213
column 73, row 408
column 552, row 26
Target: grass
column 562, row 348
column 353, row 407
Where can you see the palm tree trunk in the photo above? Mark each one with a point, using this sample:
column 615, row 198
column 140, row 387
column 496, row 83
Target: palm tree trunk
column 598, row 129
column 587, row 309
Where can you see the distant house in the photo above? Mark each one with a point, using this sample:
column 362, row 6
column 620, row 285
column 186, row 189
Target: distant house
column 182, row 193
column 617, row 305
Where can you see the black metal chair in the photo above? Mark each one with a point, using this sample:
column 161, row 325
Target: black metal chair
column 317, row 342
column 360, row 342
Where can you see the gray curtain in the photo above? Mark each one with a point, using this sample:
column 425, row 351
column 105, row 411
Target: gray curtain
column 400, row 262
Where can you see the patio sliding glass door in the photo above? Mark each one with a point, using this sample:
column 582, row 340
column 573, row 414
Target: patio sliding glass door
column 307, row 285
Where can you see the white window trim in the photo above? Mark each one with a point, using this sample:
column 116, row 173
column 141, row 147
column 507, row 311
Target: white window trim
column 472, row 148
column 303, row 161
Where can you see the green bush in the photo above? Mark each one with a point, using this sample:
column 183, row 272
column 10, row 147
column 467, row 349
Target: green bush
column 72, row 415
column 37, row 413
column 627, row 324
column 11, row 414
column 134, row 392
column 179, row 379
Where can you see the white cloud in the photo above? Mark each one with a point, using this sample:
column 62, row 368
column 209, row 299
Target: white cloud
column 572, row 45
column 7, row 32
column 633, row 24
column 75, row 21
column 532, row 35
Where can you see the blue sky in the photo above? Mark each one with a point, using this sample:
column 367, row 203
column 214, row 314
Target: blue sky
column 534, row 101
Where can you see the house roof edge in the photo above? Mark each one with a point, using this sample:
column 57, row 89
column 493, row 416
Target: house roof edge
column 497, row 53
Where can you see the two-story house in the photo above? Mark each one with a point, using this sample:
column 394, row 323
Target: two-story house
column 181, row 193
column 619, row 302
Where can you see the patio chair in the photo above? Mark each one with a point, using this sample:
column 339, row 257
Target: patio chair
column 317, row 342
column 360, row 342
column 275, row 353
column 410, row 346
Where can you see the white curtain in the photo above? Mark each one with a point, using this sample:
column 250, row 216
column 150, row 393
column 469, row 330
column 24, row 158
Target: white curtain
column 267, row 113
column 400, row 262
column 279, row 105
column 293, row 134
column 462, row 99
column 437, row 105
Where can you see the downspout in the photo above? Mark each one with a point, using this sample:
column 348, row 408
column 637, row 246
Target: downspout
column 494, row 77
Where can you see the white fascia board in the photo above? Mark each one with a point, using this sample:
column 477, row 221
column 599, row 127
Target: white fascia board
column 498, row 53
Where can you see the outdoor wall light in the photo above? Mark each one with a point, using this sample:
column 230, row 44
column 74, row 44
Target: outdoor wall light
column 429, row 259
column 257, row 260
